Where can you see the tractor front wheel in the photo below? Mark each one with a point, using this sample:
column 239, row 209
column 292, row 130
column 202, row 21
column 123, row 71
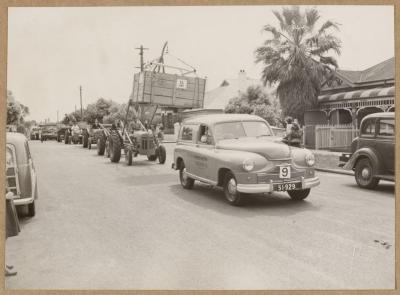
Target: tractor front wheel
column 128, row 157
column 162, row 154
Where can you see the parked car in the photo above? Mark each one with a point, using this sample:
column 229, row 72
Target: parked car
column 372, row 152
column 241, row 154
column 20, row 171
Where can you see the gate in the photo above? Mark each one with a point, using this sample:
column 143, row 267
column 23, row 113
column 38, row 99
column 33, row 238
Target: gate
column 334, row 137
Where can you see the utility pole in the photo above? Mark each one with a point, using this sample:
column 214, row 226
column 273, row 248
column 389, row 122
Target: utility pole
column 141, row 49
column 57, row 116
column 80, row 92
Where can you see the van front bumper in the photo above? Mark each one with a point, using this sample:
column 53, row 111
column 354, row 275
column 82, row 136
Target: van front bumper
column 269, row 187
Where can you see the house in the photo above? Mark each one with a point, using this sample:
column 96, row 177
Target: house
column 348, row 96
column 218, row 98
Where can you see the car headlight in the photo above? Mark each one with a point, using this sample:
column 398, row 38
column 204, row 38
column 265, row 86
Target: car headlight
column 248, row 164
column 310, row 159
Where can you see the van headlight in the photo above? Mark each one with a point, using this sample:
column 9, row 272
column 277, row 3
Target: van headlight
column 310, row 159
column 248, row 164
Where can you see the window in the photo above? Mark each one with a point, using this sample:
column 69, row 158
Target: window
column 234, row 130
column 256, row 129
column 205, row 131
column 187, row 132
column 386, row 127
column 229, row 130
column 368, row 128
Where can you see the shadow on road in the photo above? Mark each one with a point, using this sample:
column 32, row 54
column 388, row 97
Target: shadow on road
column 383, row 189
column 212, row 198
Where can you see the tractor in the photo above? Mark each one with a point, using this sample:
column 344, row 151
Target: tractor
column 135, row 142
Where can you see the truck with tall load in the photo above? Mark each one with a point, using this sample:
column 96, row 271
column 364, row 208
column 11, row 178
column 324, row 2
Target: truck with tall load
column 173, row 92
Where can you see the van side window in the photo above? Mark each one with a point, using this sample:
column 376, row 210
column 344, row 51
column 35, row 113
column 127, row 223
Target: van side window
column 206, row 133
column 187, row 132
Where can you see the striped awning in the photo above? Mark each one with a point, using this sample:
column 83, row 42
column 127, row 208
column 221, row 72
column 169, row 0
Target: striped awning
column 358, row 94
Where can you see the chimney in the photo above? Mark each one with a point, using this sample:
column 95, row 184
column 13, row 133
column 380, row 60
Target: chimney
column 242, row 81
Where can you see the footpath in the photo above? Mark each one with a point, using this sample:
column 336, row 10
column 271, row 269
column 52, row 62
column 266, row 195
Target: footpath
column 326, row 161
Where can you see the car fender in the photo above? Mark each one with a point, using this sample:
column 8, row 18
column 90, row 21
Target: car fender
column 364, row 152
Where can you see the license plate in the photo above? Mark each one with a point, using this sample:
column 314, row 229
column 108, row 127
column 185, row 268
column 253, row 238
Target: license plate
column 284, row 171
column 282, row 187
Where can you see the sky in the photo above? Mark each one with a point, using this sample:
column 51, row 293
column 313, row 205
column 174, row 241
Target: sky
column 52, row 51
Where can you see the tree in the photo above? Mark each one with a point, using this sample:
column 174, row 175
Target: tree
column 297, row 58
column 256, row 101
column 16, row 111
column 98, row 110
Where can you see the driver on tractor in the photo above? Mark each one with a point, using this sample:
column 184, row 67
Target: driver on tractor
column 75, row 132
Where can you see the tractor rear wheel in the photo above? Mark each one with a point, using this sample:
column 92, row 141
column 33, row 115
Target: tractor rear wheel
column 115, row 147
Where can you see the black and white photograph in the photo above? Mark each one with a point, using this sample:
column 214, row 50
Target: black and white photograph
column 215, row 147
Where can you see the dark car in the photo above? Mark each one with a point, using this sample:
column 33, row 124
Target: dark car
column 20, row 171
column 372, row 152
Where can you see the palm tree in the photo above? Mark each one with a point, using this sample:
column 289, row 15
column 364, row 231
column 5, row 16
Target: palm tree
column 297, row 58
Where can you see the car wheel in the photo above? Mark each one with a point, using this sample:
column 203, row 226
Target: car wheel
column 186, row 181
column 31, row 209
column 234, row 197
column 162, row 154
column 299, row 195
column 128, row 157
column 364, row 174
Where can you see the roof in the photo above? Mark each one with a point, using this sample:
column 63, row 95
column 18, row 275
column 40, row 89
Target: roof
column 216, row 118
column 218, row 98
column 382, row 71
column 15, row 138
column 359, row 94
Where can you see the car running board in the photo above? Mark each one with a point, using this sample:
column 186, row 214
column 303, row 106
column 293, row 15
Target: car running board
column 385, row 177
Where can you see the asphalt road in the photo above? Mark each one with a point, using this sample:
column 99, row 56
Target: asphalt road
column 101, row 225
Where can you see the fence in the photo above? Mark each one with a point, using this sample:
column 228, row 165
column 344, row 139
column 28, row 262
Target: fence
column 334, row 137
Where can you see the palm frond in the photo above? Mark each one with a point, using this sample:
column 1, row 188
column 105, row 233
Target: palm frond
column 326, row 43
column 328, row 24
column 282, row 23
column 312, row 16
column 273, row 30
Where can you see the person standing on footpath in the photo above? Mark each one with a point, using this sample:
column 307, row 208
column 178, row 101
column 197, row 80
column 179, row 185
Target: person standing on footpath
column 12, row 227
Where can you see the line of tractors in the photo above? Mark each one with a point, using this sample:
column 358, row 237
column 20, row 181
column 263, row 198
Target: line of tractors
column 128, row 138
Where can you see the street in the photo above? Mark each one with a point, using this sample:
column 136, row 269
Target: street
column 101, row 225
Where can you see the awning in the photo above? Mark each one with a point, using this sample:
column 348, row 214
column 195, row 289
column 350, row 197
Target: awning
column 358, row 94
